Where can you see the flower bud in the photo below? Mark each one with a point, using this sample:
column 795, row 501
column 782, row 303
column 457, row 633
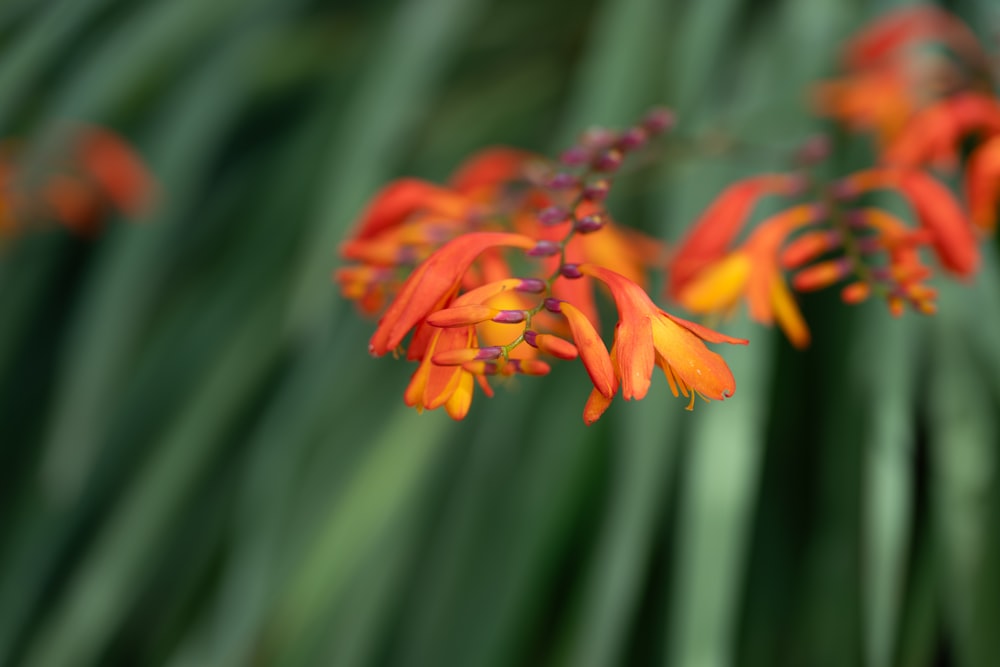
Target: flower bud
column 556, row 346
column 609, row 160
column 509, row 316
column 529, row 366
column 590, row 223
column 633, row 138
column 575, row 156
column 544, row 248
column 562, row 181
column 598, row 138
column 659, row 120
column 597, row 190
column 855, row 292
column 571, row 271
column 552, row 215
column 461, row 316
column 467, row 354
column 532, row 286
column 822, row 274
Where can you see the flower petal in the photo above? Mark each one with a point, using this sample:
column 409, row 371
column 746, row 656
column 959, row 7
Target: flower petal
column 691, row 361
column 434, row 283
column 594, row 354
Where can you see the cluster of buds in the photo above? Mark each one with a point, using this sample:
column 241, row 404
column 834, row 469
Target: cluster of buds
column 497, row 268
column 918, row 81
column 87, row 174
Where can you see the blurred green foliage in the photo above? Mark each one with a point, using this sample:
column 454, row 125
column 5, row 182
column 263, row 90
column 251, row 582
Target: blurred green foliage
column 202, row 466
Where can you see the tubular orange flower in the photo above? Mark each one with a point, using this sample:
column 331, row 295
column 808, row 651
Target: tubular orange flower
column 434, row 283
column 646, row 336
column 754, row 271
column 712, row 234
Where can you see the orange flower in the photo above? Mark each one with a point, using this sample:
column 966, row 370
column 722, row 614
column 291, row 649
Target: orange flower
column 435, row 283
column 753, row 271
column 716, row 229
column 646, row 336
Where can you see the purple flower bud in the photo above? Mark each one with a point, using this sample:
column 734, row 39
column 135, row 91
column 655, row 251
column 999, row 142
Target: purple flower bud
column 545, row 249
column 487, row 353
column 598, row 138
column 530, row 336
column 634, row 137
column 532, row 285
column 553, row 305
column 609, row 160
column 590, row 223
column 552, row 215
column 562, row 181
column 575, row 156
column 658, row 120
column 571, row 271
column 597, row 191
column 509, row 316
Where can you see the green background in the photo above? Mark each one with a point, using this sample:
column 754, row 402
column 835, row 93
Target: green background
column 201, row 465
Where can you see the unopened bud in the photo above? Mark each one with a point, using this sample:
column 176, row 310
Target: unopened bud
column 659, row 120
column 544, row 248
column 598, row 138
column 590, row 223
column 532, row 286
column 634, row 137
column 529, row 366
column 509, row 317
column 575, row 156
column 571, row 271
column 553, row 305
column 467, row 354
column 562, row 181
column 855, row 292
column 556, row 346
column 609, row 160
column 552, row 215
column 597, row 190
